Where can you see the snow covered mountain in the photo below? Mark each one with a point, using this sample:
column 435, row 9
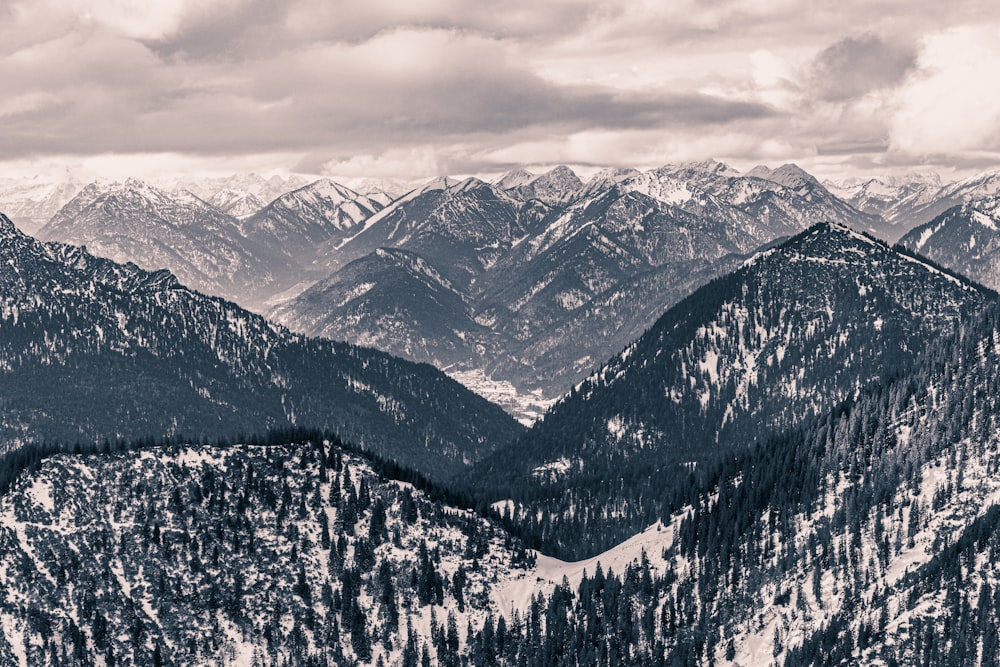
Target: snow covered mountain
column 605, row 180
column 913, row 200
column 31, row 202
column 383, row 190
column 796, row 330
column 461, row 227
column 96, row 349
column 521, row 274
column 133, row 221
column 295, row 224
column 624, row 247
column 231, row 247
column 506, row 280
column 980, row 186
column 791, row 197
column 556, row 187
column 965, row 238
column 393, row 300
column 260, row 188
column 904, row 202
column 235, row 203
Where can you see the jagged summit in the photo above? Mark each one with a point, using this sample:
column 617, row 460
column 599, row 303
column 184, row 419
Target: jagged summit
column 460, row 226
column 133, row 221
column 789, row 175
column 759, row 171
column 445, row 184
column 612, row 175
column 236, row 203
column 557, row 186
column 296, row 223
column 329, row 189
column 714, row 167
column 606, row 179
column 266, row 189
column 975, row 187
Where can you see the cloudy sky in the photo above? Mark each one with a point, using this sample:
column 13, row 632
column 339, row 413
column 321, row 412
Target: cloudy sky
column 415, row 88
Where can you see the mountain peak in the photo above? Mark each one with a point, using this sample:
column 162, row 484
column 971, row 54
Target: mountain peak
column 613, row 174
column 714, row 167
column 439, row 183
column 560, row 178
column 471, row 183
column 792, row 176
column 139, row 187
column 514, row 178
column 133, row 183
column 560, row 171
column 329, row 189
column 965, row 238
column 760, row 171
column 835, row 230
column 555, row 187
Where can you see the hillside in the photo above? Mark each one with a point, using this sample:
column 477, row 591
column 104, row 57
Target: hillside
column 95, row 349
column 796, row 330
column 965, row 238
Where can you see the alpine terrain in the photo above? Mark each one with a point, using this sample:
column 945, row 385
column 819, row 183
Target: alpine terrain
column 964, row 238
column 172, row 361
column 537, row 278
column 778, row 444
column 798, row 329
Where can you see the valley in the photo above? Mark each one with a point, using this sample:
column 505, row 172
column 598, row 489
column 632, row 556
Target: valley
column 751, row 431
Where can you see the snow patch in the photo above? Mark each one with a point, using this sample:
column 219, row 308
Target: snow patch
column 553, row 470
column 549, row 572
column 40, row 493
column 524, row 405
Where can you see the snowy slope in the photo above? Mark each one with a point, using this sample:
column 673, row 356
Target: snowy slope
column 965, row 238
column 30, row 202
column 204, row 556
column 132, row 221
column 298, row 222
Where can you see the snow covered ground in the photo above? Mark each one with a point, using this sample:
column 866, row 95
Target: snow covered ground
column 549, row 572
column 526, row 406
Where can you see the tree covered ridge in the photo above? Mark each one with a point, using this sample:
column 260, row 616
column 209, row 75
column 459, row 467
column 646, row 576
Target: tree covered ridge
column 170, row 360
column 801, row 328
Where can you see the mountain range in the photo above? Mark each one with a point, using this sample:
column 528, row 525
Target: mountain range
column 220, row 247
column 964, row 238
column 523, row 271
column 527, row 282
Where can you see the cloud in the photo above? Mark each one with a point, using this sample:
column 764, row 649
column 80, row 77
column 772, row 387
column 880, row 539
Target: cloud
column 951, row 104
column 856, row 66
column 465, row 85
column 402, row 87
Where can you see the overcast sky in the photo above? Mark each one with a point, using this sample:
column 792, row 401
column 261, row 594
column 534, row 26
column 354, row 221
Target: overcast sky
column 415, row 88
